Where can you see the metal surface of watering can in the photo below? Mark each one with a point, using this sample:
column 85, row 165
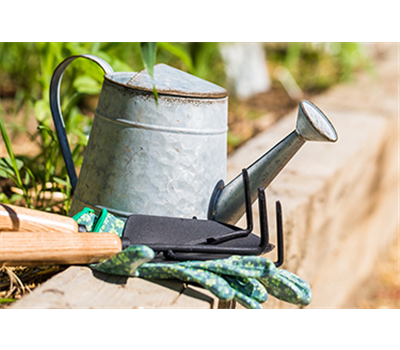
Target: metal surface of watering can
column 170, row 159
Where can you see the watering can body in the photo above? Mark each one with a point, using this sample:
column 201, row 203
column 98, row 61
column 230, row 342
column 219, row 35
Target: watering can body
column 146, row 159
column 170, row 159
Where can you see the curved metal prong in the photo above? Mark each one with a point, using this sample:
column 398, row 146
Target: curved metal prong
column 247, row 199
column 279, row 234
column 262, row 208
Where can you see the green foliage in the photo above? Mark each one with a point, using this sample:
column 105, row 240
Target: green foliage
column 149, row 59
column 7, row 300
column 31, row 176
column 11, row 167
column 317, row 66
column 202, row 59
column 181, row 53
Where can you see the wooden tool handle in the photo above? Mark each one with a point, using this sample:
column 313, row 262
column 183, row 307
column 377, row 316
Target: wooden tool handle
column 14, row 218
column 43, row 248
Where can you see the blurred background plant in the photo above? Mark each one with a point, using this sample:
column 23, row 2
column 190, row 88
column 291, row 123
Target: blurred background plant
column 35, row 175
column 318, row 66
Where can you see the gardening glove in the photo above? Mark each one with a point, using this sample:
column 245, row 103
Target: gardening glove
column 248, row 293
column 280, row 283
column 126, row 262
column 104, row 222
column 248, row 280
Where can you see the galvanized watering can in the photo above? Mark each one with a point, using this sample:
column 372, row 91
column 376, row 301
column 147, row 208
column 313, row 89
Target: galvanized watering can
column 169, row 160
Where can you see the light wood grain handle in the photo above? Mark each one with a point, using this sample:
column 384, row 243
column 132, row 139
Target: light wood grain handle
column 14, row 218
column 43, row 248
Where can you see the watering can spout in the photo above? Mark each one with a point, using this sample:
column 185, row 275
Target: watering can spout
column 227, row 202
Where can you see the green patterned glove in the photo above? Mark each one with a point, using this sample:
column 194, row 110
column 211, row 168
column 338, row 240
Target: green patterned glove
column 86, row 217
column 105, row 222
column 248, row 280
column 280, row 283
column 286, row 286
column 207, row 279
column 126, row 262
column 248, row 291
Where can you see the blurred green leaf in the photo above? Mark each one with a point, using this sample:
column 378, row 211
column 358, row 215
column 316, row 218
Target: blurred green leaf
column 50, row 132
column 87, row 85
column 83, row 138
column 233, row 140
column 180, row 53
column 7, row 300
column 149, row 59
column 13, row 199
column 42, row 110
column 149, row 56
column 6, row 166
column 10, row 152
column 29, row 174
column 60, row 181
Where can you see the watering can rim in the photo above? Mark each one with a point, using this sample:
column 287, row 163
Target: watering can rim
column 197, row 87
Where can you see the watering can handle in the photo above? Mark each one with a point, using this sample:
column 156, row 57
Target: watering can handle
column 56, row 110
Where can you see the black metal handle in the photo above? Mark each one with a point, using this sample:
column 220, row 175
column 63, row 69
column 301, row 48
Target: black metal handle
column 56, row 110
